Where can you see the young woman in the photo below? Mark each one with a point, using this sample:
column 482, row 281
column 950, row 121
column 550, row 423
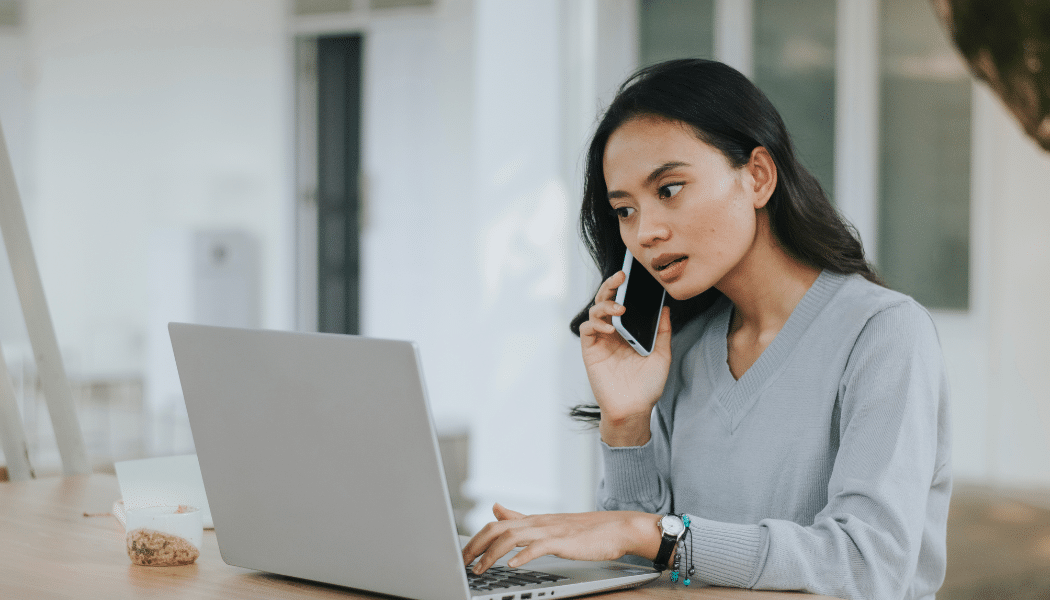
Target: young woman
column 795, row 424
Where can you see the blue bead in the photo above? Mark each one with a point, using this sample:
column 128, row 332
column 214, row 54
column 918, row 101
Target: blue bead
column 686, row 582
column 674, row 576
column 685, row 519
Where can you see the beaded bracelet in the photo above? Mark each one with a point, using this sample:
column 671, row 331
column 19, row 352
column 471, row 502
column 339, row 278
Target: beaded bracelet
column 684, row 551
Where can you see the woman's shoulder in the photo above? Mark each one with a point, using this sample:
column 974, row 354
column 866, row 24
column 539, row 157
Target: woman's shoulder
column 862, row 306
column 862, row 300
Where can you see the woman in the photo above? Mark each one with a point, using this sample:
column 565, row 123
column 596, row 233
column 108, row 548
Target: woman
column 796, row 422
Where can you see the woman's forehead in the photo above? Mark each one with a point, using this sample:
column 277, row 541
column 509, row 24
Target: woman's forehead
column 643, row 144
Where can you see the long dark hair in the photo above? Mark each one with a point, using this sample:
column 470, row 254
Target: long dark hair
column 728, row 112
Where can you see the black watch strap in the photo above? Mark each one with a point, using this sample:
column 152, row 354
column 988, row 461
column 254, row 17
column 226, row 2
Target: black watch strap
column 667, row 544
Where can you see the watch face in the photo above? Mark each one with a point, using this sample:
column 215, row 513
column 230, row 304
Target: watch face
column 672, row 525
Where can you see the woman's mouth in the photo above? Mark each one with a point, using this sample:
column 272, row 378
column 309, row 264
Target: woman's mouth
column 669, row 268
column 668, row 264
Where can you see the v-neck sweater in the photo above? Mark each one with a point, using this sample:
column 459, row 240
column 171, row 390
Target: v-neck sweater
column 824, row 468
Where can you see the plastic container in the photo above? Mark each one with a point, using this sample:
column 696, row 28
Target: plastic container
column 164, row 536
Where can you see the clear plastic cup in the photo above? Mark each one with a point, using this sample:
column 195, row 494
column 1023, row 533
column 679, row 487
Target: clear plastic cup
column 164, row 536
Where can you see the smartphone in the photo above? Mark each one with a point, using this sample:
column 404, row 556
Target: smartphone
column 643, row 298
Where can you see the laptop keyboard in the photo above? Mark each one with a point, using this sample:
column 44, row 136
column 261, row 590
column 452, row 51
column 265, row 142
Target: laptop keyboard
column 497, row 577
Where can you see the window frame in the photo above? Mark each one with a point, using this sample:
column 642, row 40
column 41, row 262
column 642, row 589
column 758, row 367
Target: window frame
column 857, row 93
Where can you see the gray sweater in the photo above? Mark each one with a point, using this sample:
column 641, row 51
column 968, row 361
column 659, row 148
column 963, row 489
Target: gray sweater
column 825, row 468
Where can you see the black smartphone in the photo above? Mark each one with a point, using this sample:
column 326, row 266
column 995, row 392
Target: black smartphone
column 643, row 298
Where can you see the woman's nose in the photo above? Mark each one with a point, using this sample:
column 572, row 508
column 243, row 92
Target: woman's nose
column 652, row 228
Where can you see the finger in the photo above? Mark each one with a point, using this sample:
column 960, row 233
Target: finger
column 596, row 328
column 605, row 309
column 663, row 333
column 528, row 553
column 504, row 514
column 472, row 549
column 499, row 548
column 588, row 329
column 596, row 324
column 607, row 290
column 481, row 541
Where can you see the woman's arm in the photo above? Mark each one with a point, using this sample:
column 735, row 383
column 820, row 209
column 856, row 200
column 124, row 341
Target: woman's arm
column 579, row 536
column 626, row 385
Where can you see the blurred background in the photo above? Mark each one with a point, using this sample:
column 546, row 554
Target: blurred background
column 412, row 168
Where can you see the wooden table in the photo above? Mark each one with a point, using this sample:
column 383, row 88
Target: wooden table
column 50, row 549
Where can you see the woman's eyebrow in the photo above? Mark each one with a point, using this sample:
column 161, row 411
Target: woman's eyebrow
column 656, row 173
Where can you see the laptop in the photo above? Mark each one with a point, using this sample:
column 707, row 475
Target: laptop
column 320, row 461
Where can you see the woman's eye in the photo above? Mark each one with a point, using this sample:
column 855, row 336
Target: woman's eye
column 623, row 212
column 667, row 191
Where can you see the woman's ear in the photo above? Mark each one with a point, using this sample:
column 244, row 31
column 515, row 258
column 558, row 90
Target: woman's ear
column 763, row 173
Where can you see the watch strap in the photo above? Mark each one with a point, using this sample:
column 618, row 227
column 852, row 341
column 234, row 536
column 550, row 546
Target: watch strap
column 667, row 544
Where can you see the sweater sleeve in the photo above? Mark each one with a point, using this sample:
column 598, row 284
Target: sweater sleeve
column 892, row 458
column 637, row 477
column 634, row 479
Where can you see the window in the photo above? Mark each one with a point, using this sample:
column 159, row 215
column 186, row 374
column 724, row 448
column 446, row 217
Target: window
column 675, row 29
column 914, row 216
column 924, row 155
column 795, row 67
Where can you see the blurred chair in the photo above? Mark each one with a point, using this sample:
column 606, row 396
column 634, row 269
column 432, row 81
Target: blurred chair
column 55, row 385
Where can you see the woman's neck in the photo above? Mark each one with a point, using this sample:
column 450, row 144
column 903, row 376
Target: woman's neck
column 766, row 285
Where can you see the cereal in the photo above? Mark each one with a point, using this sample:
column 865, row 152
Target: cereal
column 153, row 548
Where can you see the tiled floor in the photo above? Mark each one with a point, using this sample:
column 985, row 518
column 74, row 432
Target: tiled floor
column 998, row 541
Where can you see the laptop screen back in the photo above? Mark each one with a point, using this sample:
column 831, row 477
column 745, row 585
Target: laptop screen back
column 319, row 458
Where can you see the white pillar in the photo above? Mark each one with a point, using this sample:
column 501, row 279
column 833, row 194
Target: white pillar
column 523, row 223
column 577, row 444
column 734, row 34
column 857, row 118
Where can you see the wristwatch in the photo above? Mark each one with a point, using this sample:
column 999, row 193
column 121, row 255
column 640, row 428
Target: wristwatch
column 672, row 527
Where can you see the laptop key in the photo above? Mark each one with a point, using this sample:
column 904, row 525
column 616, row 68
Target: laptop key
column 524, row 578
column 499, row 577
column 538, row 575
column 521, row 581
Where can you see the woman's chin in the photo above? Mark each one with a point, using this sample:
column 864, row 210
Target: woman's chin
column 678, row 297
column 681, row 293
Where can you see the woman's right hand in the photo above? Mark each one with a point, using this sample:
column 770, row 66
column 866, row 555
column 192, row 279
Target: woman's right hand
column 625, row 383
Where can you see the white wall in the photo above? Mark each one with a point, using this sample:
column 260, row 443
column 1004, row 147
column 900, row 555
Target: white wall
column 1018, row 412
column 468, row 238
column 469, row 243
column 997, row 353
column 524, row 220
column 148, row 115
column 419, row 270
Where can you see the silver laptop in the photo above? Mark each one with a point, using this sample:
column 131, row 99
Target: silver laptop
column 320, row 461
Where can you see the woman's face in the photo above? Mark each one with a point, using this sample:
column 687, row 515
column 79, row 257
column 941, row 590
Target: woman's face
column 684, row 211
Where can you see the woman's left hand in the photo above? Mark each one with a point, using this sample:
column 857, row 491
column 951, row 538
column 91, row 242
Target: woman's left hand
column 603, row 535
